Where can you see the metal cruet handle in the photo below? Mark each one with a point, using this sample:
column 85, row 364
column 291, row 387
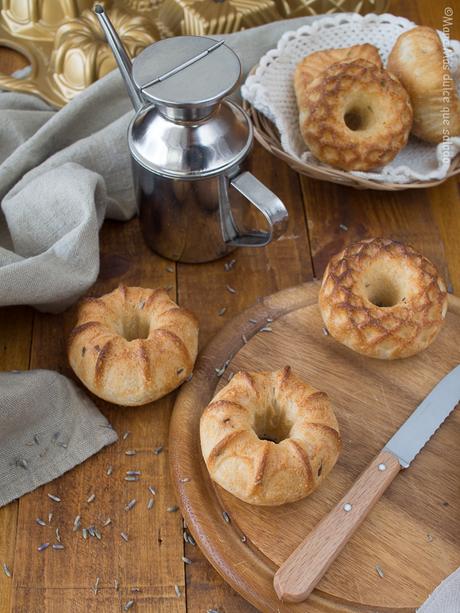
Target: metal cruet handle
column 263, row 199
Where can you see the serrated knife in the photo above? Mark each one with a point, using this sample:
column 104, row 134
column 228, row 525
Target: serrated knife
column 300, row 573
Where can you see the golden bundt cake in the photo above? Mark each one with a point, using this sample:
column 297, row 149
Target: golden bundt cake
column 382, row 299
column 419, row 62
column 317, row 62
column 355, row 116
column 269, row 438
column 133, row 345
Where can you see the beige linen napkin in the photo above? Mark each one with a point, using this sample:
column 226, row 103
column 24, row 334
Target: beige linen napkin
column 47, row 426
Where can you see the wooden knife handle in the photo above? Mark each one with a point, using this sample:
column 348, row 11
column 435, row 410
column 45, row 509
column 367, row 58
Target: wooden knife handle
column 300, row 573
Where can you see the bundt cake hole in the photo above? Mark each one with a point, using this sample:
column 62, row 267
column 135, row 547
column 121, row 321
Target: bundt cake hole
column 357, row 117
column 269, row 430
column 135, row 328
column 384, row 293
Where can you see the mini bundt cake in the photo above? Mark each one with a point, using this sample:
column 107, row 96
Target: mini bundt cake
column 355, row 116
column 269, row 438
column 314, row 64
column 419, row 62
column 382, row 299
column 133, row 345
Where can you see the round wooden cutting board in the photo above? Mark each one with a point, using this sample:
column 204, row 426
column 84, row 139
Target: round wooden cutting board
column 412, row 536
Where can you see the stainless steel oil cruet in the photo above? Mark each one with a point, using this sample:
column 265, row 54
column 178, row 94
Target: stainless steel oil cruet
column 189, row 145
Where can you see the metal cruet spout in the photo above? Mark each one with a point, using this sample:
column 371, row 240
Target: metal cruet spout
column 122, row 58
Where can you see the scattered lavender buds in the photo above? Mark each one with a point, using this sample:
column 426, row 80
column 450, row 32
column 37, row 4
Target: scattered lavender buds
column 266, row 329
column 53, row 497
column 131, row 452
column 125, row 435
column 128, row 605
column 230, row 289
column 131, row 504
column 76, row 523
column 58, row 546
column 132, row 478
column 172, row 509
column 91, row 498
column 107, row 522
column 325, row 332
column 222, row 311
column 40, row 521
column 226, row 517
column 379, row 570
column 124, row 536
column 150, row 504
column 96, row 585
column 158, row 450
column 186, row 560
column 343, row 227
column 177, row 590
column 43, row 546
column 109, row 470
column 6, row 570
column 152, row 490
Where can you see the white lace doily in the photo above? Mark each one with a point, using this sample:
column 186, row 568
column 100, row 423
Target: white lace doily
column 271, row 91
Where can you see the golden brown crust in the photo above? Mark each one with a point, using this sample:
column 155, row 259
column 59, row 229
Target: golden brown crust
column 314, row 64
column 382, row 299
column 419, row 62
column 355, row 116
column 133, row 345
column 271, row 405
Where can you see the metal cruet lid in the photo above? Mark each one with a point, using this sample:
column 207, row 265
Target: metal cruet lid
column 186, row 72
column 186, row 132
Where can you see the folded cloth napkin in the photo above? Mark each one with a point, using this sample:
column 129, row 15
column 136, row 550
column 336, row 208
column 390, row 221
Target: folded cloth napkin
column 62, row 172
column 47, row 426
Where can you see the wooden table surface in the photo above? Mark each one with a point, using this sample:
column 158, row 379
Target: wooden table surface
column 323, row 218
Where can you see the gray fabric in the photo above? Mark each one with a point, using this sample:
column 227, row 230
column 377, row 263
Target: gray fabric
column 48, row 426
column 62, row 173
column 445, row 598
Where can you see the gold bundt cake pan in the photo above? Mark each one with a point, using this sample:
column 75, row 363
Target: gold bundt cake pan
column 64, row 45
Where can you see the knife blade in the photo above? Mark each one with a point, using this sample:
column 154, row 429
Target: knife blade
column 299, row 574
column 426, row 419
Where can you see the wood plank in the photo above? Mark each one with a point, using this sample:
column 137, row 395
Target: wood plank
column 445, row 207
column 15, row 341
column 203, row 289
column 151, row 559
column 339, row 215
